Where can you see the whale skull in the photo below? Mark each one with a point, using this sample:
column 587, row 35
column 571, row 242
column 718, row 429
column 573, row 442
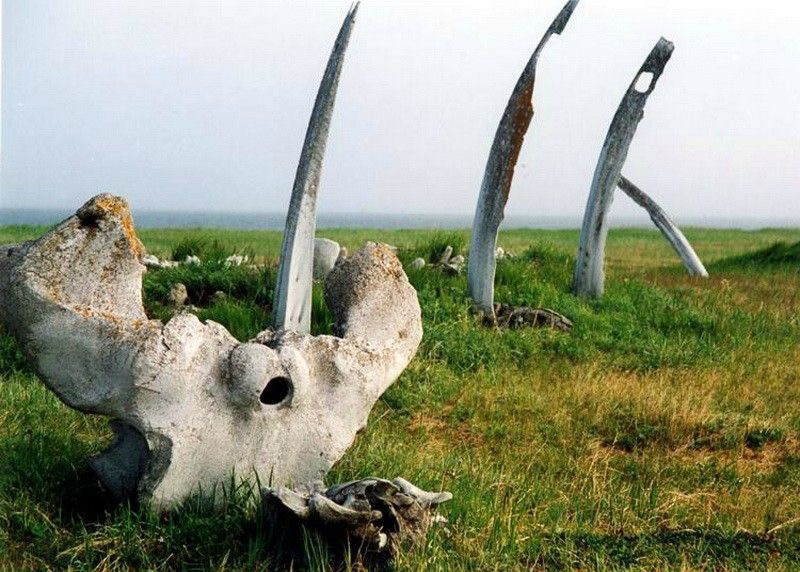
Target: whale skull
column 190, row 405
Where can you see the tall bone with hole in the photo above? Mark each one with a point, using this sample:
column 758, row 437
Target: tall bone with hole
column 692, row 263
column 588, row 278
column 499, row 172
column 190, row 405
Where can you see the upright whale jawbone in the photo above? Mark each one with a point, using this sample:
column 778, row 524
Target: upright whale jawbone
column 498, row 175
column 589, row 278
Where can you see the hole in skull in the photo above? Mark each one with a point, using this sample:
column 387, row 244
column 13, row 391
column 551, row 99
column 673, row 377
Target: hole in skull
column 643, row 82
column 89, row 219
column 276, row 391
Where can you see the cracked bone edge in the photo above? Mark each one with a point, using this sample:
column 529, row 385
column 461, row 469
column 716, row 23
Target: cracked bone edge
column 424, row 498
column 372, row 498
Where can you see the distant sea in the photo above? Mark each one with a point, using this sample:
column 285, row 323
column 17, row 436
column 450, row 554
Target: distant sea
column 275, row 221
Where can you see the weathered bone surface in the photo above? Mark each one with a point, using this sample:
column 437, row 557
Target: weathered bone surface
column 588, row 279
column 375, row 513
column 513, row 317
column 499, row 173
column 671, row 232
column 190, row 404
column 446, row 263
column 292, row 309
column 326, row 253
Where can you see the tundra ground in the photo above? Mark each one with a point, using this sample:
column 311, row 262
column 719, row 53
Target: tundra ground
column 661, row 433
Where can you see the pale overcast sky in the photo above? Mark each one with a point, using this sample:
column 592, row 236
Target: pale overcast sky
column 203, row 105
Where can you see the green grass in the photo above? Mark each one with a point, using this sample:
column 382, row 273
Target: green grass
column 775, row 255
column 662, row 433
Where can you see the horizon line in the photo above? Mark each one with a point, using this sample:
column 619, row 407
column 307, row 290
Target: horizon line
column 255, row 213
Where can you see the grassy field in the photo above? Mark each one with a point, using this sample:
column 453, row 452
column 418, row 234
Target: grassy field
column 661, row 433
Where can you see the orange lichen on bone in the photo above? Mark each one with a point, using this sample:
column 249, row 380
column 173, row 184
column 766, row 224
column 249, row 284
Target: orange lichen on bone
column 135, row 323
column 388, row 259
column 117, row 207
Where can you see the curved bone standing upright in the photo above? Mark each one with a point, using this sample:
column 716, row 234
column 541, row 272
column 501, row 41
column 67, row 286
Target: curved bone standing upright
column 191, row 405
column 671, row 232
column 499, row 173
column 292, row 301
column 588, row 279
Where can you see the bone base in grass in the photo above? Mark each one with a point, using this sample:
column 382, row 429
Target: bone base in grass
column 190, row 405
column 512, row 317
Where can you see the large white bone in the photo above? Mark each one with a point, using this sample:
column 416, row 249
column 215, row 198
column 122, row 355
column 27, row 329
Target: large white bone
column 499, row 172
column 671, row 232
column 191, row 405
column 292, row 301
column 588, row 279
